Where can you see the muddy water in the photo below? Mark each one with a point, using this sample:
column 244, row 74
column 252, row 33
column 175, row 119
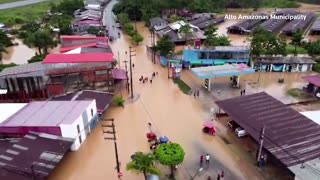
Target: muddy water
column 19, row 54
column 171, row 113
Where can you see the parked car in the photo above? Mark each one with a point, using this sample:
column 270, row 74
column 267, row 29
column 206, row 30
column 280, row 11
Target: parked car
column 240, row 132
column 233, row 125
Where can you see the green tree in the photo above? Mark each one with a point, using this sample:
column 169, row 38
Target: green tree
column 267, row 43
column 296, row 39
column 313, row 48
column 68, row 7
column 164, row 45
column 93, row 30
column 143, row 163
column 175, row 18
column 170, row 154
column 129, row 29
column 2, row 50
column 213, row 39
column 186, row 31
column 41, row 39
column 5, row 40
column 137, row 38
column 37, row 58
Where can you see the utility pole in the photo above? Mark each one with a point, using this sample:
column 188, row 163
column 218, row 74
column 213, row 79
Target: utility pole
column 130, row 62
column 113, row 132
column 119, row 59
column 168, row 69
column 260, row 144
column 125, row 65
column 153, row 44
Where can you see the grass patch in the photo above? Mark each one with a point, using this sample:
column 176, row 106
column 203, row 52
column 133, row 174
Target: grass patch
column 280, row 4
column 297, row 93
column 8, row 1
column 24, row 14
column 182, row 85
column 300, row 50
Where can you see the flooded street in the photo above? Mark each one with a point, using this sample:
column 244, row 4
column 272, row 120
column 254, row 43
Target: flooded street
column 19, row 54
column 172, row 113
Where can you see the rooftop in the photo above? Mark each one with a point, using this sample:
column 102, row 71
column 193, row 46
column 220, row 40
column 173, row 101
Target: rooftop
column 314, row 79
column 226, row 48
column 316, row 25
column 289, row 136
column 78, row 58
column 103, row 99
column 215, row 21
column 247, row 25
column 8, row 109
column 313, row 115
column 47, row 113
column 42, row 151
column 69, row 43
column 32, row 69
column 285, row 60
column 296, row 24
column 226, row 70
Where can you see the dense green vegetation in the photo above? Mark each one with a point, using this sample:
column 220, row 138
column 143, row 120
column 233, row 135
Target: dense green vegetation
column 24, row 14
column 213, row 39
column 5, row 42
column 297, row 93
column 146, row 9
column 8, row 1
column 129, row 29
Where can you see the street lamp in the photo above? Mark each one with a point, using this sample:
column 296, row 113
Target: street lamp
column 199, row 170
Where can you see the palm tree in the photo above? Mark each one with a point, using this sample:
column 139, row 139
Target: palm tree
column 143, row 163
column 186, row 31
column 2, row 50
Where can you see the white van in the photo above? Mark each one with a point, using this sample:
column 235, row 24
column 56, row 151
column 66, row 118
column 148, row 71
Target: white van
column 240, row 132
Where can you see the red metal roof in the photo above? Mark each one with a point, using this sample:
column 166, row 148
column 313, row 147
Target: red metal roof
column 315, row 79
column 69, row 48
column 78, row 58
column 75, row 38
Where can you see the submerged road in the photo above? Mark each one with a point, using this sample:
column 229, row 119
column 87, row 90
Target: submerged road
column 19, row 4
column 109, row 19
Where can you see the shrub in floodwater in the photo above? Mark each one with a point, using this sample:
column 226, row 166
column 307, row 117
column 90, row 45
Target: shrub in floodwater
column 119, row 101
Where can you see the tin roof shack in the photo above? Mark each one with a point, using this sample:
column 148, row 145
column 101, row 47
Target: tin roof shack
column 103, row 99
column 289, row 137
column 157, row 21
column 23, row 83
column 69, row 119
column 275, row 24
column 296, row 24
column 173, row 31
column 284, row 64
column 73, row 72
column 315, row 29
column 34, row 156
column 203, row 22
column 246, row 26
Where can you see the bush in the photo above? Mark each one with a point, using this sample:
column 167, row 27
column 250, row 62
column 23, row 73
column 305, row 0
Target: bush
column 3, row 66
column 182, row 85
column 119, row 101
column 280, row 80
column 297, row 93
column 316, row 68
column 37, row 58
column 13, row 31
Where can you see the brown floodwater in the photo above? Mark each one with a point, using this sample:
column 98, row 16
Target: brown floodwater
column 19, row 54
column 172, row 113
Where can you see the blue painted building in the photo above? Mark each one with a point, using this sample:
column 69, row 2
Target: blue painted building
column 218, row 55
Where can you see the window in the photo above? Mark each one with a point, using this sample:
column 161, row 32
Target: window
column 91, row 112
column 80, row 139
column 78, row 128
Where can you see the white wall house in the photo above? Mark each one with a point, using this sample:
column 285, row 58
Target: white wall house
column 80, row 128
column 70, row 119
